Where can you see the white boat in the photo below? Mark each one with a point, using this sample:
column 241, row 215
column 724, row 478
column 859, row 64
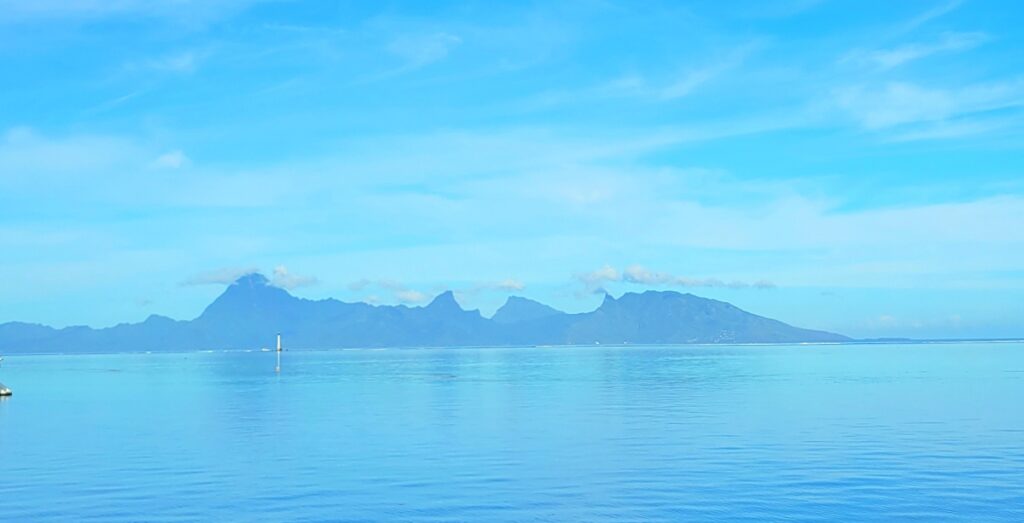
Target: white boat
column 4, row 391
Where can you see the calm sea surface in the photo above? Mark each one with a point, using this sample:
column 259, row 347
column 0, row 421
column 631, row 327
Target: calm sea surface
column 887, row 432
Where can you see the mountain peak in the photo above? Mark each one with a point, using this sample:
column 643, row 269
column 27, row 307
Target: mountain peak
column 608, row 299
column 253, row 279
column 444, row 301
column 250, row 295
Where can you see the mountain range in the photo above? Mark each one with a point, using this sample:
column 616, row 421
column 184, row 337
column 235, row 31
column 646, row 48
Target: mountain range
column 251, row 311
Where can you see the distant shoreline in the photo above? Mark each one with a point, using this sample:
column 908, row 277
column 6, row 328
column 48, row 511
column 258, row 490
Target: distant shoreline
column 943, row 341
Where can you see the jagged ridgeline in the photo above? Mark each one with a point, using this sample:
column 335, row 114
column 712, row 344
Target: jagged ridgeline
column 251, row 311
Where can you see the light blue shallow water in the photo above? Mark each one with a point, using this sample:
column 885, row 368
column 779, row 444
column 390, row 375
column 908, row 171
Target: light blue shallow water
column 922, row 432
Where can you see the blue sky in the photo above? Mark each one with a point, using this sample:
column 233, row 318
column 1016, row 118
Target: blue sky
column 828, row 163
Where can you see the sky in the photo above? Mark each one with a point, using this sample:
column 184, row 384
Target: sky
column 841, row 165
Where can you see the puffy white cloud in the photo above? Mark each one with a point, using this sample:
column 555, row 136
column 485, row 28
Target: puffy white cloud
column 399, row 291
column 506, row 285
column 411, row 296
column 595, row 281
column 281, row 277
column 286, row 280
column 510, row 284
column 639, row 275
column 403, row 293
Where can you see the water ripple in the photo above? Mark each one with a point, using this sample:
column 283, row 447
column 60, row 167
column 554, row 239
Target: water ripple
column 646, row 434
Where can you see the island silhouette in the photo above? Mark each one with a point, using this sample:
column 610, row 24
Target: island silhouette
column 251, row 311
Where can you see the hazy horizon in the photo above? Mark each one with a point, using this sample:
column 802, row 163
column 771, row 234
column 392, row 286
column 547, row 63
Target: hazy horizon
column 460, row 297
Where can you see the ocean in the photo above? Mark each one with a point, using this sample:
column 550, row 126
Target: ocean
column 926, row 432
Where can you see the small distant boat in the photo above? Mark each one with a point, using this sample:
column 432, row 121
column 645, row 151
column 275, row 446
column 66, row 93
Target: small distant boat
column 4, row 391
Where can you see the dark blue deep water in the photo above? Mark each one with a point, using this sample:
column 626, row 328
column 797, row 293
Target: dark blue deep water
column 856, row 433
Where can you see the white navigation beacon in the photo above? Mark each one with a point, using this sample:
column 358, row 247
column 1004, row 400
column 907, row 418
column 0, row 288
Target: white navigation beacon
column 277, row 368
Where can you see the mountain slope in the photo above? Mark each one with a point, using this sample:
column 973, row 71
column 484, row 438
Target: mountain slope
column 517, row 309
column 251, row 311
column 671, row 317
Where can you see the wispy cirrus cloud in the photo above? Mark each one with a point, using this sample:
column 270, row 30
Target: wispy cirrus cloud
column 363, row 284
column 414, row 50
column 171, row 160
column 653, row 86
column 111, row 104
column 900, row 55
column 605, row 170
column 29, row 154
column 696, row 78
column 894, row 104
column 178, row 63
column 938, row 10
column 185, row 62
column 419, row 50
column 190, row 11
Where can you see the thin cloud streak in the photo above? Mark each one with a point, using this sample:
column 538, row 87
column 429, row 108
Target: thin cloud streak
column 222, row 276
column 885, row 59
column 937, row 11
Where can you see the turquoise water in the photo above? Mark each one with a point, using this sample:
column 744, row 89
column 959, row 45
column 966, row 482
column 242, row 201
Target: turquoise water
column 916, row 432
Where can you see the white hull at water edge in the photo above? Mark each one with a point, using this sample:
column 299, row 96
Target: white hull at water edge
column 4, row 391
